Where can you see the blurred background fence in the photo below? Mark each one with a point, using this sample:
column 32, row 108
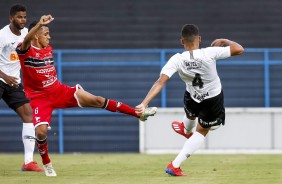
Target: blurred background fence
column 250, row 80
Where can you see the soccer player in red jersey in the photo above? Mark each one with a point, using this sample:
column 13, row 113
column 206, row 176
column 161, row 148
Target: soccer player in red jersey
column 47, row 93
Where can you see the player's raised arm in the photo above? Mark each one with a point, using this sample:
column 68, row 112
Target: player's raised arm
column 235, row 48
column 44, row 20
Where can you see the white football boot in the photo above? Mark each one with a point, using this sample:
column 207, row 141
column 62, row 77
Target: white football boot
column 149, row 111
column 49, row 170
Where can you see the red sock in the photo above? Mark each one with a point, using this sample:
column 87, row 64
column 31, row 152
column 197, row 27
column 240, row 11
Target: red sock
column 43, row 151
column 114, row 106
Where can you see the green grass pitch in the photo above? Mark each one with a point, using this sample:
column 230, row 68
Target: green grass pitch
column 146, row 169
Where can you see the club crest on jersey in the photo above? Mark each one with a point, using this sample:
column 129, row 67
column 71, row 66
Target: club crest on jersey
column 37, row 119
column 193, row 64
column 47, row 62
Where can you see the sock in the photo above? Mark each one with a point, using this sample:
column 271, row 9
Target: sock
column 190, row 146
column 188, row 124
column 114, row 106
column 28, row 135
column 42, row 146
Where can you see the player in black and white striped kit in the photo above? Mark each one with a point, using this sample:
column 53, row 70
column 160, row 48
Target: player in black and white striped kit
column 203, row 96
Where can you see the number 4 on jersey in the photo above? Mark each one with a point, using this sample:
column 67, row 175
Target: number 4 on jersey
column 197, row 81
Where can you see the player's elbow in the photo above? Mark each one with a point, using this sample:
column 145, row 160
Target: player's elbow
column 241, row 50
column 238, row 50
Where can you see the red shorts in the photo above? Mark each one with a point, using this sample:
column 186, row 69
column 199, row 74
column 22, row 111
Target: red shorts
column 62, row 96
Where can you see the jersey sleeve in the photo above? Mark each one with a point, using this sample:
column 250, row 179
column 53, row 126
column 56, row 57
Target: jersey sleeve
column 218, row 52
column 19, row 51
column 2, row 42
column 171, row 66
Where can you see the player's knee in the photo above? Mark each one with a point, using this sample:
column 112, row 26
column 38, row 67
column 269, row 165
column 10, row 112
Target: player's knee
column 41, row 131
column 98, row 101
column 25, row 112
column 191, row 117
column 27, row 117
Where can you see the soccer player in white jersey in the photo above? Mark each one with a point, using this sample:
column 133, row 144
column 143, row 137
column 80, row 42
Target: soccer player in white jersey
column 203, row 96
column 11, row 89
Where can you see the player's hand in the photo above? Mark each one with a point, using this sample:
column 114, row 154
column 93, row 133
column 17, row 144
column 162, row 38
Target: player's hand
column 219, row 42
column 139, row 109
column 11, row 81
column 46, row 19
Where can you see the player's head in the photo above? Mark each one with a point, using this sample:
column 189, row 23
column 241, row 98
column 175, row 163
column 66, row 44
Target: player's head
column 18, row 16
column 190, row 34
column 42, row 37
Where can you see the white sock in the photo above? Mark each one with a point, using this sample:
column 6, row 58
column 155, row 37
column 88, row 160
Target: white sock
column 188, row 124
column 29, row 143
column 190, row 146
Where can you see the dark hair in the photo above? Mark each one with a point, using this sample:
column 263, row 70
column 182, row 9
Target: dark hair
column 17, row 8
column 189, row 31
column 32, row 24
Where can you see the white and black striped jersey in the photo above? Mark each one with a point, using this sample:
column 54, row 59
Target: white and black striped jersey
column 197, row 68
column 9, row 60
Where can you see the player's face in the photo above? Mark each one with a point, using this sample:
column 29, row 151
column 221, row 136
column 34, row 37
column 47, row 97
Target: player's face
column 18, row 20
column 44, row 36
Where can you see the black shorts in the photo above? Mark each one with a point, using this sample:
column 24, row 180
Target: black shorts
column 210, row 112
column 14, row 97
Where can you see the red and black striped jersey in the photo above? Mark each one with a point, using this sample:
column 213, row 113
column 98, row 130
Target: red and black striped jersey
column 38, row 70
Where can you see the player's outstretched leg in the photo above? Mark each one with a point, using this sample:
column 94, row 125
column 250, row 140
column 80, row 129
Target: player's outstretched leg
column 114, row 106
column 86, row 99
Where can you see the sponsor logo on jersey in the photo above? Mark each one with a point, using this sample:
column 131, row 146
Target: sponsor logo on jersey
column 51, row 80
column 14, row 56
column 208, row 124
column 200, row 97
column 45, row 70
column 193, row 64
